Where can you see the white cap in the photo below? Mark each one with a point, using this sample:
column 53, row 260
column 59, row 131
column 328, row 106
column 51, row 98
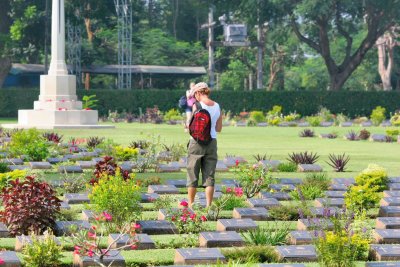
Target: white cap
column 197, row 87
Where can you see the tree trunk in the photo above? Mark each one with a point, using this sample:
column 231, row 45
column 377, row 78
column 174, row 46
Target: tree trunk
column 385, row 46
column 90, row 34
column 175, row 16
column 5, row 66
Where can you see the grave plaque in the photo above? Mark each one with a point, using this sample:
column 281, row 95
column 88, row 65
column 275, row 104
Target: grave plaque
column 202, row 195
column 127, row 166
column 229, row 183
column 309, row 168
column 87, row 164
column 389, row 211
column 387, row 223
column 10, row 259
column 387, row 236
column 263, row 202
column 378, row 138
column 40, row 165
column 329, row 202
column 314, row 223
column 282, row 265
column 14, row 161
column 240, row 124
column 300, row 238
column 387, row 193
column 257, row 214
column 303, row 124
column 114, row 259
column 22, row 240
column 294, row 181
column 304, row 253
column 198, row 256
column 277, row 195
column 64, row 227
column 347, row 181
column 382, row 264
column 271, row 164
column 385, row 252
column 346, row 124
column 144, row 241
column 221, row 167
column 149, row 197
column 157, row 227
column 339, row 187
column 181, row 183
column 237, row 225
column 282, row 187
column 65, row 206
column 163, row 189
column 18, row 167
column 167, row 168
column 54, row 160
column 4, row 231
column 229, row 162
column 326, row 124
column 323, row 211
column 394, row 179
column 88, row 215
column 366, row 124
column 394, row 186
column 220, row 239
column 386, row 124
column 70, row 169
column 75, row 198
column 262, row 124
column 335, row 194
column 390, row 201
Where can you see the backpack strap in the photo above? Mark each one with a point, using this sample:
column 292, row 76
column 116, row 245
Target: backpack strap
column 198, row 105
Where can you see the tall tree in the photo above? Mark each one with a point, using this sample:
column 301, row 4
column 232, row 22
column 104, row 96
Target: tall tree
column 385, row 46
column 320, row 23
column 5, row 59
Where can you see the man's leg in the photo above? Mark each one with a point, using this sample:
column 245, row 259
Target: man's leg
column 208, row 165
column 195, row 154
column 191, row 195
column 209, row 195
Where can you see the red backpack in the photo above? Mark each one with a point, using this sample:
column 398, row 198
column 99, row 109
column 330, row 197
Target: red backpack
column 200, row 125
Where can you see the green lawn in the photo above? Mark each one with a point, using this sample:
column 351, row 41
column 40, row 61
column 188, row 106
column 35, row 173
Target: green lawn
column 276, row 142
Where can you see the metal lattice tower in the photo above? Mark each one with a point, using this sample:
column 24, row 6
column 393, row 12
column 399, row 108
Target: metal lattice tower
column 124, row 14
column 74, row 52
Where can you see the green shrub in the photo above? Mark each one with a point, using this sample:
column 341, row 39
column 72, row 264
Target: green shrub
column 163, row 202
column 42, row 252
column 292, row 117
column 320, row 180
column 314, row 120
column 253, row 179
column 393, row 132
column 3, row 167
column 257, row 116
column 306, row 192
column 172, row 115
column 118, row 197
column 362, row 197
column 252, row 254
column 5, row 178
column 395, row 119
column 235, row 202
column 31, row 143
column 373, row 176
column 272, row 235
column 287, row 213
column 146, row 181
column 125, row 153
column 378, row 115
column 287, row 167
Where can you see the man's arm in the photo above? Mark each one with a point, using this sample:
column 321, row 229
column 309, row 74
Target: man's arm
column 218, row 126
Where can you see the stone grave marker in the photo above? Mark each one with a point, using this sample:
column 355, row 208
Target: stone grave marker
column 335, row 194
column 314, row 223
column 198, row 256
column 4, row 231
column 229, row 183
column 382, row 264
column 76, row 198
column 240, row 124
column 339, row 187
column 277, row 195
column 385, row 252
column 303, row 124
column 300, row 238
column 346, row 124
column 220, row 239
column 325, row 136
column 13, row 161
column 88, row 215
column 263, row 202
column 390, row 201
column 378, row 138
column 89, row 154
column 387, row 236
column 54, row 160
column 305, row 253
column 326, row 124
column 152, row 227
column 293, row 181
column 366, row 124
column 387, row 223
column 163, row 214
column 70, row 169
column 283, row 124
column 18, row 167
column 202, row 195
column 387, row 193
column 167, row 168
column 229, row 162
column 262, row 124
column 346, row 181
column 148, row 197
column 237, row 225
column 181, row 183
column 163, row 189
column 40, row 165
column 65, row 206
column 22, row 240
column 221, row 167
column 394, row 186
column 329, row 202
column 88, row 164
column 282, row 265
column 309, row 168
column 114, row 259
column 394, row 179
column 144, row 241
column 386, row 123
column 64, row 227
column 282, row 187
column 257, row 214
column 10, row 259
column 323, row 211
column 389, row 211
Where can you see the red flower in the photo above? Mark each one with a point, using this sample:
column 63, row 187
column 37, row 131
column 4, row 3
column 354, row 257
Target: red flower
column 107, row 216
column 90, row 253
column 183, row 219
column 203, row 218
column 237, row 162
column 88, row 109
column 193, row 216
column 134, row 246
column 137, row 226
column 92, row 235
column 229, row 190
column 76, row 250
column 184, row 203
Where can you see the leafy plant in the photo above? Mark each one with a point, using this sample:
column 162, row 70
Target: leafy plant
column 364, row 134
column 352, row 136
column 332, row 135
column 42, row 252
column 53, row 137
column 259, row 157
column 320, row 180
column 173, row 115
column 163, row 202
column 373, row 176
column 389, row 139
column 89, row 101
column 3, row 168
column 252, row 179
column 30, row 143
column 306, row 192
column 142, row 144
column 117, row 196
column 29, row 206
column 314, row 120
column 287, row 167
column 362, row 197
column 73, row 183
column 307, row 133
column 378, row 115
column 94, row 141
column 179, row 241
column 338, row 162
column 395, row 119
column 272, row 235
column 285, row 212
column 7, row 177
column 257, row 117
column 107, row 167
column 252, row 254
column 129, row 117
column 125, row 153
column 186, row 221
column 145, row 182
column 303, row 157
column 235, row 198
column 217, row 206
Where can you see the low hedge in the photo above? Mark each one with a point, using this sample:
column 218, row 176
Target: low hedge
column 351, row 103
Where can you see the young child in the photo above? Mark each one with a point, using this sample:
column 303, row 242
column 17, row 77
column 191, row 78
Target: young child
column 190, row 102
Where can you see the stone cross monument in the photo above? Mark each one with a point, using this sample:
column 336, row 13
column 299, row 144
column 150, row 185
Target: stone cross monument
column 58, row 105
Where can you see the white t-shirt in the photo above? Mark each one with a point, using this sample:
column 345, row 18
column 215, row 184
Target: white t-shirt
column 215, row 112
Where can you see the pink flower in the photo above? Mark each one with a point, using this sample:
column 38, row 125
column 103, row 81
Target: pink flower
column 193, row 216
column 76, row 250
column 203, row 218
column 137, row 226
column 90, row 253
column 2, row 261
column 62, row 100
column 237, row 162
column 107, row 216
column 105, row 252
column 229, row 190
column 92, row 235
column 183, row 219
column 134, row 246
column 184, row 203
